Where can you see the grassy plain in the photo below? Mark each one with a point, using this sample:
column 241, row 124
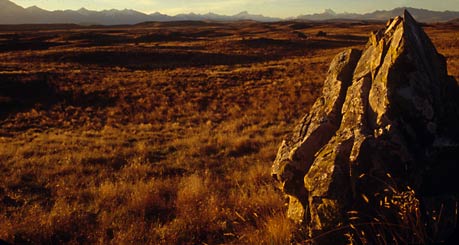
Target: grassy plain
column 159, row 133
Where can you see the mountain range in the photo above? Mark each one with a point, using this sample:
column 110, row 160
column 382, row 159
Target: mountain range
column 422, row 15
column 11, row 13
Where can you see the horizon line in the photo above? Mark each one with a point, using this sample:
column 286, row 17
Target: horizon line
column 237, row 12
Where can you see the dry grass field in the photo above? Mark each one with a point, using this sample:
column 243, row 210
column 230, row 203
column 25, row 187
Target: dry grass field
column 159, row 133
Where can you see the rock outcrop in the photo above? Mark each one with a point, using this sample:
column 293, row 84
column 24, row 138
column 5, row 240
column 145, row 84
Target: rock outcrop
column 376, row 156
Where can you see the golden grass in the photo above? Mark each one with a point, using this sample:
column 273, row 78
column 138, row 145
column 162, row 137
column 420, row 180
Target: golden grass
column 160, row 142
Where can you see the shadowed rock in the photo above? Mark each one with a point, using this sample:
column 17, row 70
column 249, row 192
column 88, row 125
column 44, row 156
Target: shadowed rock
column 379, row 146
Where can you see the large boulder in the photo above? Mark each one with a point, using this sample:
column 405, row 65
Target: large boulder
column 376, row 158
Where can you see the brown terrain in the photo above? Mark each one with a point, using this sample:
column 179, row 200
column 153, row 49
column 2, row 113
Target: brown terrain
column 160, row 133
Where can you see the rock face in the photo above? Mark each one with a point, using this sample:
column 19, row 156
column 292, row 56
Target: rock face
column 379, row 148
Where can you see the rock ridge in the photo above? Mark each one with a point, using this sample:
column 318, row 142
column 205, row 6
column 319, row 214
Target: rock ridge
column 384, row 126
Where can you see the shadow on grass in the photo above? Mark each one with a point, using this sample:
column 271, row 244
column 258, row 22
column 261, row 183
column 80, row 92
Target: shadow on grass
column 22, row 92
column 150, row 58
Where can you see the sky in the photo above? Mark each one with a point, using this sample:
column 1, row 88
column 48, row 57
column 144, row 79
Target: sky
column 273, row 8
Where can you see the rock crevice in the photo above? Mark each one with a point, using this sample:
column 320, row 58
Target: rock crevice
column 373, row 134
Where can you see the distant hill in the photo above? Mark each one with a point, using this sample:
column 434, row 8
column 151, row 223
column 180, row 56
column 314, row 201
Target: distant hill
column 422, row 15
column 11, row 13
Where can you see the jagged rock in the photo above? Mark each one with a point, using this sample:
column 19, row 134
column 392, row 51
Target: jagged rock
column 378, row 144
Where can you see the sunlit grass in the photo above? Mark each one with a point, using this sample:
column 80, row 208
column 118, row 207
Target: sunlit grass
column 179, row 154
